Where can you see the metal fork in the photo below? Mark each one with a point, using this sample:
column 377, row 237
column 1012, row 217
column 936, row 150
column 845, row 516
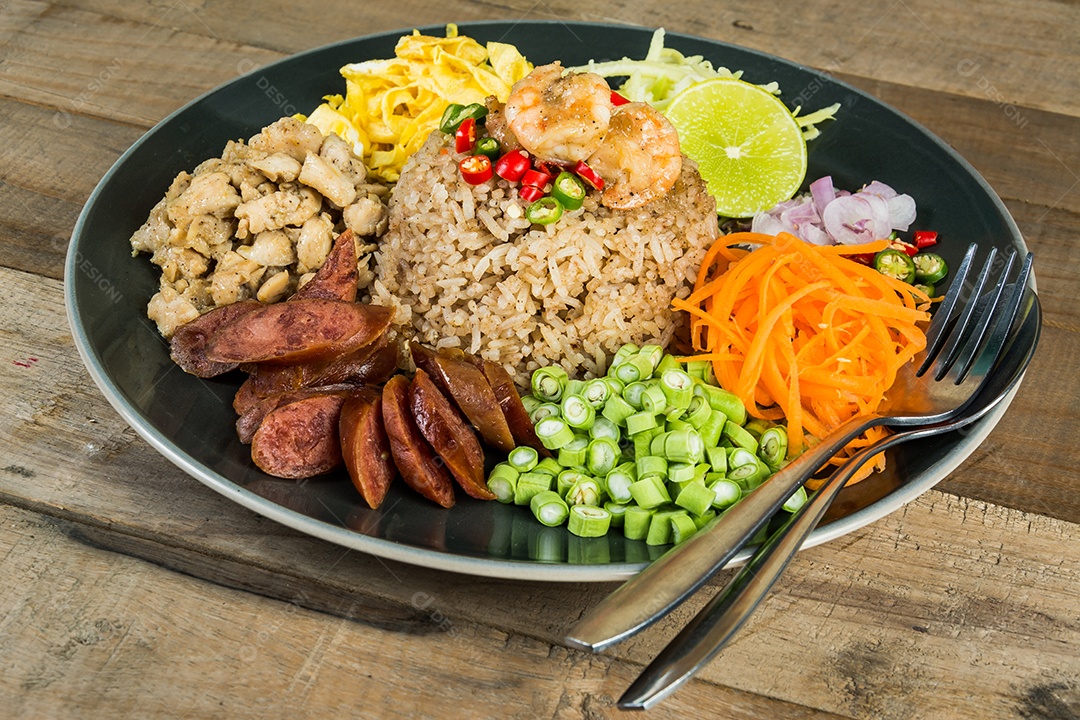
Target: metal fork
column 716, row 623
column 965, row 337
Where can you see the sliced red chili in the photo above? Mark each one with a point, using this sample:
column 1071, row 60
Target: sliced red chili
column 906, row 248
column 536, row 178
column 589, row 175
column 530, row 193
column 465, row 136
column 476, row 169
column 925, row 238
column 617, row 99
column 512, row 165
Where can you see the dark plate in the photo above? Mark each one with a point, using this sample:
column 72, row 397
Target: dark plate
column 190, row 421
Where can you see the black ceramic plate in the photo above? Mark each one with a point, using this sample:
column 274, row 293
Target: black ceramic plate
column 190, row 421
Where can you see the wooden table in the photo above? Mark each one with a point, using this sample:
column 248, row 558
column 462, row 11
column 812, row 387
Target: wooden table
column 129, row 589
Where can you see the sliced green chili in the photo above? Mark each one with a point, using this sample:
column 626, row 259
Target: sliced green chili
column 896, row 264
column 489, row 147
column 929, row 268
column 569, row 190
column 544, row 211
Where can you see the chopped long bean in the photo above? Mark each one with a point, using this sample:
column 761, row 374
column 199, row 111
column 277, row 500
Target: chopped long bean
column 572, row 454
column 523, row 458
column 653, row 400
column 617, row 410
column 636, row 522
column 678, row 388
column 503, row 482
column 596, row 392
column 650, row 492
column 796, row 501
column 618, row 512
column 577, row 413
column 566, row 480
column 618, row 482
column 698, row 412
column 739, row 436
column 604, row 428
column 531, row 402
column 529, row 484
column 725, row 493
column 696, row 498
column 654, row 354
column 544, row 410
column 682, row 527
column 586, row 491
column 640, row 422
column 602, row 455
column 548, row 383
column 589, row 521
column 549, row 508
column 773, row 445
column 554, row 433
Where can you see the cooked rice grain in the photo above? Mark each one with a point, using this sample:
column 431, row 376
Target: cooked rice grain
column 466, row 270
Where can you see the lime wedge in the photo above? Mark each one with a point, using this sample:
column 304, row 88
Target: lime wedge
column 748, row 147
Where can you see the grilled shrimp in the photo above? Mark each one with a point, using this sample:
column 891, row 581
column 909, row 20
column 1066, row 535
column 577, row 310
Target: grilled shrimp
column 559, row 118
column 639, row 157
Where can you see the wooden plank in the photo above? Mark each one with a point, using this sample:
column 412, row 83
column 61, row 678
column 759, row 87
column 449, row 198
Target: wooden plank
column 894, row 582
column 1012, row 53
column 89, row 633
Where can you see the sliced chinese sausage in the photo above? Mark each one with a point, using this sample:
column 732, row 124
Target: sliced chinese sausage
column 469, row 389
column 188, row 345
column 300, row 439
column 371, row 364
column 336, row 279
column 521, row 427
column 449, row 435
column 245, row 397
column 250, row 420
column 420, row 467
column 365, row 446
column 304, row 330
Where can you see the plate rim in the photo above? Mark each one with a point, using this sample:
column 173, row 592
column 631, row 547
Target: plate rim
column 497, row 568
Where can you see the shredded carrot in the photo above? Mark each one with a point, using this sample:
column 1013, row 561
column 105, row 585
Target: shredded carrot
column 803, row 332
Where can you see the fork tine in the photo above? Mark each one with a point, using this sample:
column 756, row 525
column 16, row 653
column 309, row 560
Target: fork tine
column 960, row 331
column 994, row 342
column 971, row 346
column 935, row 334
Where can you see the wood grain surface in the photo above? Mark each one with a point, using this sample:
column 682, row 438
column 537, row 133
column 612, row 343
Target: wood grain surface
column 127, row 589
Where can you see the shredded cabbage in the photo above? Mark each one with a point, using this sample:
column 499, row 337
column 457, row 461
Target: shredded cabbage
column 665, row 72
